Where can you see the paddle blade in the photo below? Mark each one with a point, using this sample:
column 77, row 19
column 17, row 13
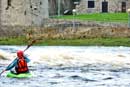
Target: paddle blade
column 29, row 45
column 2, row 72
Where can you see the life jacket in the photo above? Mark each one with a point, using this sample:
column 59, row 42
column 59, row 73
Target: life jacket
column 21, row 66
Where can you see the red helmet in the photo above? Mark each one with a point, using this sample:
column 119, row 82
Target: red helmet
column 20, row 54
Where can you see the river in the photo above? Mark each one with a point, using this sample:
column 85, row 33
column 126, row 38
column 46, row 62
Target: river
column 70, row 66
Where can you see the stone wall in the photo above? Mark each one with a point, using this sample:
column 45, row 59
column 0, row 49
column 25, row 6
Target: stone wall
column 0, row 14
column 23, row 12
column 82, row 32
column 64, row 23
column 64, row 29
column 113, row 6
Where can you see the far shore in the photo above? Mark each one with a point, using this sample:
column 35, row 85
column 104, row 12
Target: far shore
column 68, row 42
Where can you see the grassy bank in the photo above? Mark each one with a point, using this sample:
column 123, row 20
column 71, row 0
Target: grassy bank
column 73, row 42
column 106, row 17
column 13, row 41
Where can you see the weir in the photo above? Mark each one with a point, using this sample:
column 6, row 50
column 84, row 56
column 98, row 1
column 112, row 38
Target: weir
column 72, row 56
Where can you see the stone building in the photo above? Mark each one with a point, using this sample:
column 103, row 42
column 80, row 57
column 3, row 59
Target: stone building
column 23, row 12
column 101, row 6
column 30, row 12
column 64, row 5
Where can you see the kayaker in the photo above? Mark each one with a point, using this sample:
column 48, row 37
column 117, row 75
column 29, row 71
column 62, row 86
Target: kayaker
column 19, row 64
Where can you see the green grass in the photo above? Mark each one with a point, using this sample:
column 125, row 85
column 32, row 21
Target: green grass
column 70, row 42
column 89, row 42
column 106, row 17
column 12, row 41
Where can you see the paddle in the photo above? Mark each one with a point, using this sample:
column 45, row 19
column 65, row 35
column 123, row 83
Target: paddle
column 2, row 72
column 29, row 45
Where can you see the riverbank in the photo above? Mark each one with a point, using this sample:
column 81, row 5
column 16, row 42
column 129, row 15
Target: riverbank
column 69, row 42
column 112, row 30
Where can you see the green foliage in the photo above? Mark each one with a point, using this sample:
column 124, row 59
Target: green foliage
column 13, row 41
column 70, row 42
column 88, row 42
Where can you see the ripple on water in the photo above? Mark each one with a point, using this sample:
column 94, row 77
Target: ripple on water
column 76, row 77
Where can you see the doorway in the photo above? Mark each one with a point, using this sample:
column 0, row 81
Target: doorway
column 104, row 6
column 123, row 6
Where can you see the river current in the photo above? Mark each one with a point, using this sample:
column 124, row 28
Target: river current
column 70, row 66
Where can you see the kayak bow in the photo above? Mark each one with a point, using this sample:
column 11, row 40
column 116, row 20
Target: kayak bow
column 22, row 75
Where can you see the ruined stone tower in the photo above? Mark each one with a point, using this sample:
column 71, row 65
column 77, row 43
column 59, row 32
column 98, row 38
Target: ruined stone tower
column 23, row 12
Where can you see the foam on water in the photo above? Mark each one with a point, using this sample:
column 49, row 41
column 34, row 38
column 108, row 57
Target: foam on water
column 80, row 56
column 72, row 56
